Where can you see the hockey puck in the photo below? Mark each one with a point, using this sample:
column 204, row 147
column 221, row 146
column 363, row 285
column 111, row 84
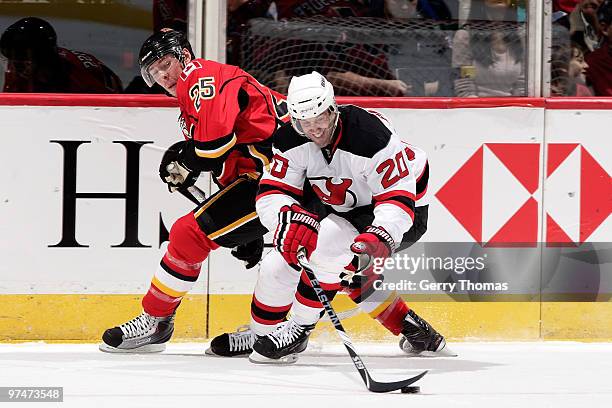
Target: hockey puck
column 411, row 389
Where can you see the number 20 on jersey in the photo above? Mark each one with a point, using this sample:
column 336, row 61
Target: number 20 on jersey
column 396, row 168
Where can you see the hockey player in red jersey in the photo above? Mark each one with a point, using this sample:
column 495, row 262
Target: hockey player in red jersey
column 227, row 119
column 374, row 189
column 36, row 64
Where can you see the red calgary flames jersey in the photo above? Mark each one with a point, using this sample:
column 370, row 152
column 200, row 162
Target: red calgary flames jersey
column 230, row 116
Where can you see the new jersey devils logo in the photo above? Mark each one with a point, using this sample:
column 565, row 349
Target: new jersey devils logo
column 336, row 193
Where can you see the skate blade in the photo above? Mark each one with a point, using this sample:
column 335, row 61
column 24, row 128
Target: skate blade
column 146, row 349
column 445, row 352
column 257, row 358
column 211, row 353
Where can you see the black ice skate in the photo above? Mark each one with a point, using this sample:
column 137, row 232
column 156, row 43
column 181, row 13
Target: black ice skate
column 420, row 339
column 142, row 334
column 282, row 345
column 236, row 344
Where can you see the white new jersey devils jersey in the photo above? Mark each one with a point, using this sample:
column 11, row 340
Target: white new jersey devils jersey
column 368, row 165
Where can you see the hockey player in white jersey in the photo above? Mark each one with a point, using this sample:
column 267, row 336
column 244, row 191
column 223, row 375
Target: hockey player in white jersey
column 374, row 189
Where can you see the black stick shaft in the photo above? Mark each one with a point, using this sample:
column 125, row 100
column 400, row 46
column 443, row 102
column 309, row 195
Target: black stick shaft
column 193, row 194
column 372, row 385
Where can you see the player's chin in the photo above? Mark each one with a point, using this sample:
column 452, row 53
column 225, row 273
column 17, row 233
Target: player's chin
column 171, row 89
column 321, row 141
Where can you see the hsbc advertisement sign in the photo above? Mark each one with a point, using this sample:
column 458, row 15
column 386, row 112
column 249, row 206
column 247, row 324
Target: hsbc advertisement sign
column 83, row 211
column 515, row 174
column 82, row 207
column 509, row 209
column 525, row 191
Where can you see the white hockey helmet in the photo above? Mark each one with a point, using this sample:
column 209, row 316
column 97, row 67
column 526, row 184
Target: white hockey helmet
column 309, row 96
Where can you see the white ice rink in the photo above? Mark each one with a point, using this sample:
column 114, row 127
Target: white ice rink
column 492, row 375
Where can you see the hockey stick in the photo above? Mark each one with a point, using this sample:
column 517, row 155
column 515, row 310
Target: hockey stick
column 371, row 385
column 193, row 194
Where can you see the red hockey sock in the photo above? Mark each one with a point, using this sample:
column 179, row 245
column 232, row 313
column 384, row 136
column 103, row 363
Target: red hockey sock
column 179, row 268
column 268, row 315
column 393, row 316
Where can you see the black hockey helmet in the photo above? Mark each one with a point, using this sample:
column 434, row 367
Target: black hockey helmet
column 27, row 39
column 159, row 44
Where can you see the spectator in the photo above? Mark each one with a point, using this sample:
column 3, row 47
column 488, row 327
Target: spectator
column 37, row 64
column 568, row 69
column 438, row 10
column 422, row 58
column 562, row 10
column 367, row 75
column 488, row 52
column 584, row 25
column 170, row 14
column 289, row 9
column 239, row 12
column 566, row 6
column 599, row 72
column 353, row 67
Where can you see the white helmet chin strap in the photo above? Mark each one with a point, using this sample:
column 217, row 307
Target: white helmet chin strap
column 335, row 118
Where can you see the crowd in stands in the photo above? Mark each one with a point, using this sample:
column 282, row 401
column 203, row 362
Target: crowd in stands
column 462, row 48
column 581, row 53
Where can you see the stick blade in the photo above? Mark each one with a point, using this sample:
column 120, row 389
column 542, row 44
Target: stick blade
column 375, row 386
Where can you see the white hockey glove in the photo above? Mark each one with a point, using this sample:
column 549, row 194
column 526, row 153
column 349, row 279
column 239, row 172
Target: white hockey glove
column 374, row 243
column 173, row 171
column 177, row 176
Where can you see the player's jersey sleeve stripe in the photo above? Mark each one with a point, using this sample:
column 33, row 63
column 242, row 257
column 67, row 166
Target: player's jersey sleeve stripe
column 393, row 194
column 215, row 148
column 267, row 193
column 421, row 194
column 422, row 181
column 402, row 199
column 262, row 157
column 406, row 205
column 268, row 186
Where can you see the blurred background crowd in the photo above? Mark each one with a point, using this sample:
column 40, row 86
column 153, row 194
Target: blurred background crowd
column 462, row 48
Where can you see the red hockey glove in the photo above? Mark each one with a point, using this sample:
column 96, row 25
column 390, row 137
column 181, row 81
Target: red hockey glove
column 296, row 228
column 372, row 244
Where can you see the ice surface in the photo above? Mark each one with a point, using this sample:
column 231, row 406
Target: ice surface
column 492, row 375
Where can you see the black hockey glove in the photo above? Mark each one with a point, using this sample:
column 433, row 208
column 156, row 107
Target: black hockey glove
column 176, row 168
column 250, row 253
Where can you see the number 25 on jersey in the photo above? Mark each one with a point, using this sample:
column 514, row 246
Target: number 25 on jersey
column 204, row 88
